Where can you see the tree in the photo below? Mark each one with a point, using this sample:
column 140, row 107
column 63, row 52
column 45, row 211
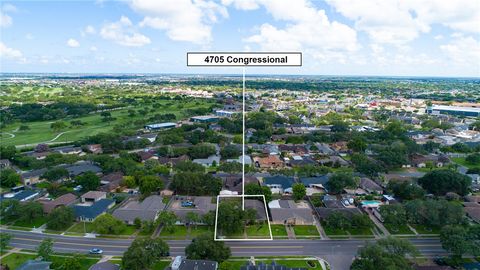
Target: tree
column 137, row 222
column 388, row 253
column 23, row 128
column 434, row 213
column 55, row 174
column 30, row 211
column 149, row 184
column 439, row 182
column 167, row 219
column 108, row 224
column 192, row 218
column 57, row 126
column 201, row 151
column 230, row 217
column 473, row 159
column 338, row 220
column 339, row 181
column 60, row 218
column 460, row 240
column 4, row 240
column 255, row 189
column 230, row 151
column 45, row 249
column 72, row 263
column 361, row 221
column 299, row 191
column 357, row 144
column 366, row 165
column 205, row 248
column 7, row 152
column 9, row 178
column 406, row 190
column 394, row 215
column 188, row 166
column 88, row 181
column 143, row 253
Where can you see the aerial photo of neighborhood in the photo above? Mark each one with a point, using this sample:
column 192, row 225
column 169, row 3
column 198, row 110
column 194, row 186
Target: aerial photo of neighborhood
column 359, row 149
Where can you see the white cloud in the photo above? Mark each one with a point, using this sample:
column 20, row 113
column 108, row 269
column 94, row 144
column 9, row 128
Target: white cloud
column 89, row 30
column 9, row 53
column 308, row 29
column 9, row 8
column 93, row 49
column 122, row 32
column 5, row 20
column 401, row 21
column 73, row 43
column 183, row 20
column 29, row 36
column 242, row 4
column 463, row 51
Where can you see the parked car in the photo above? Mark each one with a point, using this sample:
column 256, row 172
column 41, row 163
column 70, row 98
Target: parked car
column 187, row 204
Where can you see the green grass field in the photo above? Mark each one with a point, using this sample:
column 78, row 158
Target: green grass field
column 422, row 229
column 461, row 161
column 260, row 231
column 41, row 132
column 398, row 229
column 294, row 263
column 199, row 230
column 31, row 223
column 14, row 260
column 160, row 265
column 85, row 262
column 306, row 231
column 279, row 231
column 82, row 227
column 180, row 232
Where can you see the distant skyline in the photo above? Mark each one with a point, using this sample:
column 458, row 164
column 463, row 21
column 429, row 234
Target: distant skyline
column 337, row 37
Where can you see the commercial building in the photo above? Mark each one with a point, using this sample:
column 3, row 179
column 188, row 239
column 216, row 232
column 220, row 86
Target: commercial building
column 453, row 110
column 160, row 126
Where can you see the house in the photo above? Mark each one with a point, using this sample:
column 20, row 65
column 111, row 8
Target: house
column 331, row 201
column 371, row 186
column 94, row 148
column 207, row 162
column 231, row 182
column 315, row 184
column 269, row 162
column 22, row 195
column 111, row 181
column 340, row 146
column 90, row 211
column 278, row 183
column 93, row 196
column 68, row 150
column 159, row 126
column 104, row 266
column 421, row 161
column 472, row 209
column 333, row 161
column 146, row 155
column 64, row 200
column 271, row 266
column 324, row 149
column 204, row 119
column 323, row 212
column 257, row 205
column 240, row 159
column 151, row 137
column 82, row 167
column 224, row 113
column 147, row 209
column 296, row 161
column 173, row 161
column 291, row 148
column 290, row 213
column 199, row 204
column 33, row 176
column 181, row 263
column 35, row 265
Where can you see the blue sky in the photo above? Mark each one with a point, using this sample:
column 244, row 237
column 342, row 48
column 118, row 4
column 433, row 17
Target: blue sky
column 337, row 37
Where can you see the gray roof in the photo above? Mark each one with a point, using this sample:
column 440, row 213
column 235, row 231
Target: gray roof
column 93, row 210
column 82, row 167
column 198, row 265
column 284, row 214
column 257, row 205
column 326, row 212
column 144, row 210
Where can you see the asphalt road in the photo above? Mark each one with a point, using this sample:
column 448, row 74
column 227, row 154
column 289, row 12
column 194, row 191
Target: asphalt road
column 339, row 253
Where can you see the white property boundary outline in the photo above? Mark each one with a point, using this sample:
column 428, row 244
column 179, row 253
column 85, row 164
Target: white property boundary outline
column 243, row 201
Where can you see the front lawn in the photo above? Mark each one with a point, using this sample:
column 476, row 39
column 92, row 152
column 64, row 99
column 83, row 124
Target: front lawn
column 179, row 232
column 160, row 265
column 31, row 223
column 360, row 232
column 463, row 162
column 423, row 229
column 306, row 231
column 85, row 262
column 296, row 263
column 198, row 230
column 129, row 230
column 258, row 231
column 14, row 260
column 82, row 227
column 398, row 229
column 279, row 231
